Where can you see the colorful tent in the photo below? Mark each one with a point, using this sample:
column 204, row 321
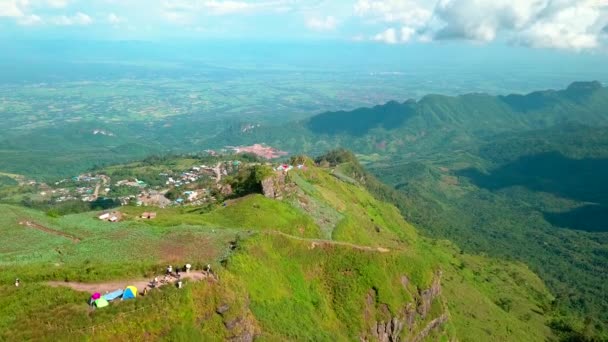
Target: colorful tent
column 113, row 295
column 101, row 303
column 95, row 296
column 130, row 292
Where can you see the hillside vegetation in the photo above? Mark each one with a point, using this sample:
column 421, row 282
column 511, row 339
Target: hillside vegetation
column 328, row 261
column 519, row 177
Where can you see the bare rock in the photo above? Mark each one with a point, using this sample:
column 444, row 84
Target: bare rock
column 274, row 186
column 222, row 309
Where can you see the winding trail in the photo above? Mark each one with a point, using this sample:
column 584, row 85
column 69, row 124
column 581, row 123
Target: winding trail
column 319, row 242
column 42, row 228
column 140, row 284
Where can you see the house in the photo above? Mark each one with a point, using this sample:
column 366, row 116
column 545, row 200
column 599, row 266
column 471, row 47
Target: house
column 284, row 168
column 148, row 215
column 104, row 216
column 113, row 219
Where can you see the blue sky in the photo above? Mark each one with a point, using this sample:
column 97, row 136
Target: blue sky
column 570, row 25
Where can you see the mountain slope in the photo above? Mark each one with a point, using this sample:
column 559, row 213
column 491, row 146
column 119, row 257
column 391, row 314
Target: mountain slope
column 518, row 177
column 537, row 197
column 327, row 261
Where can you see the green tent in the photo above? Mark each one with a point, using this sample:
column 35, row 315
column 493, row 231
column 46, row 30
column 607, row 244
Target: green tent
column 101, row 303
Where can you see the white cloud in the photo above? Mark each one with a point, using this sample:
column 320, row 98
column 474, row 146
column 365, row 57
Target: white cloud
column 179, row 8
column 395, row 36
column 482, row 20
column 10, row 8
column 114, row 19
column 322, row 24
column 407, row 12
column 405, row 18
column 560, row 24
column 186, row 12
column 407, row 33
column 79, row 18
column 227, row 7
column 30, row 20
column 574, row 28
column 389, row 36
column 57, row 3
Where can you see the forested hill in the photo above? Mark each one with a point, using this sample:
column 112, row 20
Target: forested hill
column 433, row 121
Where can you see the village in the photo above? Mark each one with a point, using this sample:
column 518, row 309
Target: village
column 196, row 185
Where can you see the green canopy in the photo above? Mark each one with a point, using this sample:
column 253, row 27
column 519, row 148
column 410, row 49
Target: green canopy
column 101, row 303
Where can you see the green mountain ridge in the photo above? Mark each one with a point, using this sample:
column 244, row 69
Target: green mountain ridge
column 432, row 122
column 280, row 275
column 520, row 177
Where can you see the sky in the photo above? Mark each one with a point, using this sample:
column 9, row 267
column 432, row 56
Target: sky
column 578, row 26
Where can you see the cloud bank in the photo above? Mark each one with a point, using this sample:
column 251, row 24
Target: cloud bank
column 574, row 25
column 560, row 24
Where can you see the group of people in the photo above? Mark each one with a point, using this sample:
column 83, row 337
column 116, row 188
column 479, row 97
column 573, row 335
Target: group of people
column 171, row 273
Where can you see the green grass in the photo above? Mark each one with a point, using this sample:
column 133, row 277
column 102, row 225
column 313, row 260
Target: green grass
column 105, row 250
column 254, row 212
column 280, row 283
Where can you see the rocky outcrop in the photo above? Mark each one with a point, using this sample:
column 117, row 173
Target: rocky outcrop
column 403, row 326
column 432, row 325
column 389, row 331
column 426, row 297
column 276, row 186
column 241, row 325
column 269, row 189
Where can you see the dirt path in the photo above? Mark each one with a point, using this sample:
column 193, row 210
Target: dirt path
column 318, row 242
column 140, row 284
column 40, row 227
column 218, row 173
column 104, row 181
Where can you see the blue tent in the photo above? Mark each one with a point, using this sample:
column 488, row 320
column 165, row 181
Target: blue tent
column 130, row 292
column 113, row 295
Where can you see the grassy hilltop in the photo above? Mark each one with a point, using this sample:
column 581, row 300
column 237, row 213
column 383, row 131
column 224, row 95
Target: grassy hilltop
column 518, row 177
column 327, row 261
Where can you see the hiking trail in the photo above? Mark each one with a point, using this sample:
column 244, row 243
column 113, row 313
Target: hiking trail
column 110, row 286
column 321, row 242
column 42, row 228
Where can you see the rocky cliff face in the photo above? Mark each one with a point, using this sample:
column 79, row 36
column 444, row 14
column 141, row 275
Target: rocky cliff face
column 239, row 322
column 412, row 322
column 277, row 185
